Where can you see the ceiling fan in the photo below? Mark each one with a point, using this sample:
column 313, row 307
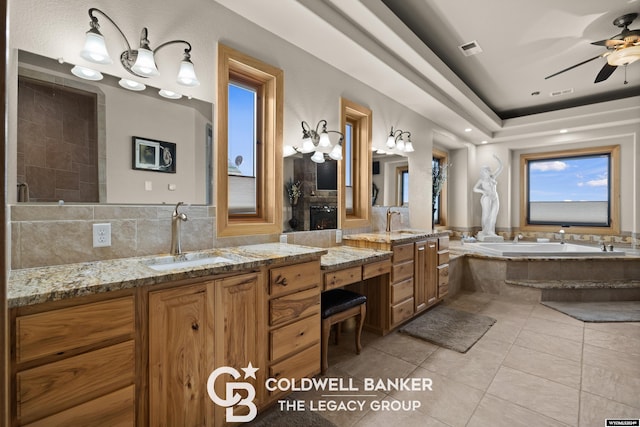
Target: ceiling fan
column 622, row 49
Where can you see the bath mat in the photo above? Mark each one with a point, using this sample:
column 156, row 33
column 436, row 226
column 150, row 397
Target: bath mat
column 449, row 328
column 611, row 311
column 274, row 417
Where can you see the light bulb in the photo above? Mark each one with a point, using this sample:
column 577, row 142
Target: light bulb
column 336, row 153
column 86, row 73
column 391, row 142
column 288, row 150
column 95, row 50
column 324, row 140
column 307, row 145
column 187, row 74
column 317, row 157
column 145, row 64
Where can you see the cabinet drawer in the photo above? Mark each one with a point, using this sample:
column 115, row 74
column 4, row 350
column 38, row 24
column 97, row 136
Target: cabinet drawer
column 443, row 242
column 57, row 331
column 113, row 409
column 443, row 257
column 401, row 291
column 303, row 364
column 339, row 278
column 376, row 269
column 443, row 274
column 402, row 272
column 293, row 277
column 294, row 306
column 443, row 290
column 51, row 388
column 402, row 311
column 291, row 338
column 402, row 252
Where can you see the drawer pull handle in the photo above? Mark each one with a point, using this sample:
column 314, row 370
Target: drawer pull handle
column 195, row 326
column 282, row 281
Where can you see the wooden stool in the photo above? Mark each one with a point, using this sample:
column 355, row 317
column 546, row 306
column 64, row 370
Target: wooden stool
column 339, row 305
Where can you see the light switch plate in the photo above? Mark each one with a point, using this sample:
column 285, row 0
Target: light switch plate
column 101, row 235
column 338, row 236
column 283, row 238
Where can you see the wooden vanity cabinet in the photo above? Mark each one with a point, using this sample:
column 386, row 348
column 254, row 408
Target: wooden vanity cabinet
column 294, row 322
column 193, row 330
column 443, row 266
column 426, row 281
column 74, row 362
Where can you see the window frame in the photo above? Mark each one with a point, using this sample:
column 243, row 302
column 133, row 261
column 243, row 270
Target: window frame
column 614, row 189
column 443, row 158
column 360, row 118
column 234, row 65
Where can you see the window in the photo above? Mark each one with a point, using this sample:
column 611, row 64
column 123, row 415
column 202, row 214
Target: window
column 438, row 160
column 402, row 174
column 575, row 188
column 249, row 145
column 355, row 168
column 243, row 147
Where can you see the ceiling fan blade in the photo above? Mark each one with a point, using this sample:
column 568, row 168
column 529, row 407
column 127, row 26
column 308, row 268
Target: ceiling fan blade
column 608, row 43
column 572, row 67
column 605, row 72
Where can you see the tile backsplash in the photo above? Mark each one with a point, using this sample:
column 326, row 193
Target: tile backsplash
column 47, row 234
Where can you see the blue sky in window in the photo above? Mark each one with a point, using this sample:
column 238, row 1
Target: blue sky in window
column 569, row 179
column 242, row 129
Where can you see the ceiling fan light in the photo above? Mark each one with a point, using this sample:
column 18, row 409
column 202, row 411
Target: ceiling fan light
column 624, row 56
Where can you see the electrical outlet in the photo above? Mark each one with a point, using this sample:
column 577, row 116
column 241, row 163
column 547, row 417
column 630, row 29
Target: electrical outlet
column 338, row 236
column 101, row 235
column 283, row 238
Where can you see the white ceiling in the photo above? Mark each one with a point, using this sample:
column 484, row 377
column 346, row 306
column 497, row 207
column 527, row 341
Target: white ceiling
column 522, row 40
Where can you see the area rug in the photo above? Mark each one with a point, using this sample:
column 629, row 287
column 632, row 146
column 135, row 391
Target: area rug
column 274, row 417
column 612, row 311
column 449, row 328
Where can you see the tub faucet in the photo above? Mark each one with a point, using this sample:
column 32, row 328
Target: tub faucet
column 176, row 219
column 517, row 238
column 561, row 237
column 390, row 213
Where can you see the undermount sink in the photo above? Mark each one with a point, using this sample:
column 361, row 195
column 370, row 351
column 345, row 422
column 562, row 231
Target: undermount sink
column 169, row 262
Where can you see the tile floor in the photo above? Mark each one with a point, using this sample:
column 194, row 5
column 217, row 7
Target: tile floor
column 534, row 367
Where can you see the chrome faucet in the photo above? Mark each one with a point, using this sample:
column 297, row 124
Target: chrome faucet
column 176, row 219
column 517, row 238
column 389, row 215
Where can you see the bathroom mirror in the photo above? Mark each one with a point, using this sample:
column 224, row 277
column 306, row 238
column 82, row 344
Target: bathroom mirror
column 390, row 177
column 47, row 148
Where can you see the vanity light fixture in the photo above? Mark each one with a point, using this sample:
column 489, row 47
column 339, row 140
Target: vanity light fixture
column 140, row 62
column 318, row 141
column 86, row 73
column 131, row 85
column 169, row 94
column 397, row 141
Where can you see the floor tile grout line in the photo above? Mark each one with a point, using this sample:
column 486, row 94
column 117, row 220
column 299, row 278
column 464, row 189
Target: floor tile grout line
column 485, row 391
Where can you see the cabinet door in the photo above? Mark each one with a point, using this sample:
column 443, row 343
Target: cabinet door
column 420, row 275
column 240, row 321
column 180, row 346
column 431, row 271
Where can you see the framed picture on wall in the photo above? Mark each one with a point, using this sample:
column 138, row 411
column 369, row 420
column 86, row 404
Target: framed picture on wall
column 153, row 155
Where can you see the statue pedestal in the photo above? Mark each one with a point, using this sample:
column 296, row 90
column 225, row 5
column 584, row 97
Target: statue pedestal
column 489, row 237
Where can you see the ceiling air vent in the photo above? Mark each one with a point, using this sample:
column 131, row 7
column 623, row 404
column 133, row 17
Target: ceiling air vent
column 561, row 92
column 471, row 48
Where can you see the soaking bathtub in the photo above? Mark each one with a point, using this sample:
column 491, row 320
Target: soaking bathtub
column 528, row 249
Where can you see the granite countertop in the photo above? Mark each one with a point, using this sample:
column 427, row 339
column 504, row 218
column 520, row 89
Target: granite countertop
column 339, row 257
column 400, row 236
column 37, row 285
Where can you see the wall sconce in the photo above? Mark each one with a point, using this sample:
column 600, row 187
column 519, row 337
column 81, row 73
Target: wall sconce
column 318, row 141
column 140, row 62
column 398, row 142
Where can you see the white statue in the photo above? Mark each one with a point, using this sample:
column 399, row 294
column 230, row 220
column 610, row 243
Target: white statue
column 489, row 201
